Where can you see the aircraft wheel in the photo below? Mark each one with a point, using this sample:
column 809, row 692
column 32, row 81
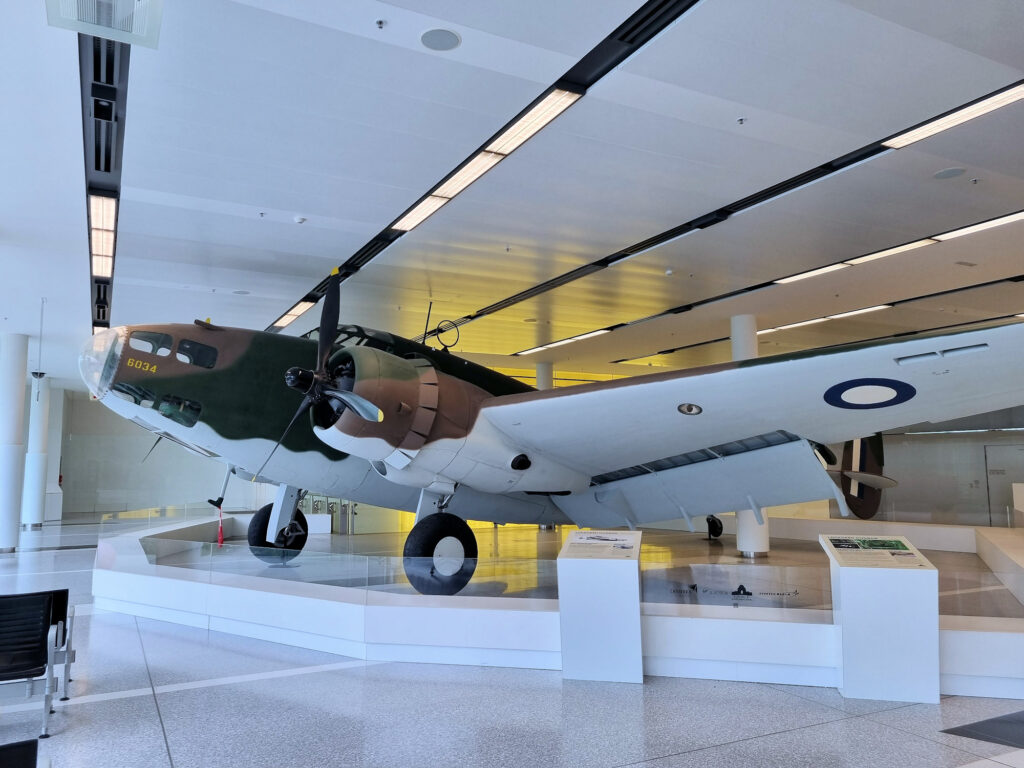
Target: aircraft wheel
column 715, row 527
column 292, row 544
column 440, row 554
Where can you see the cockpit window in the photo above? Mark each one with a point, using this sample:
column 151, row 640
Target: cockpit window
column 357, row 336
column 134, row 393
column 197, row 354
column 150, row 342
column 180, row 410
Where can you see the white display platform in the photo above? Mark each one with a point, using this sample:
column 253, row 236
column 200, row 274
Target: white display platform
column 599, row 606
column 885, row 599
column 978, row 656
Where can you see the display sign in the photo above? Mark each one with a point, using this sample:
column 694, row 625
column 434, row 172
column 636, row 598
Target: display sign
column 602, row 545
column 875, row 552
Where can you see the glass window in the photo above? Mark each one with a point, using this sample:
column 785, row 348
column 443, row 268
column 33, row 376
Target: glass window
column 134, row 393
column 151, row 342
column 197, row 354
column 180, row 410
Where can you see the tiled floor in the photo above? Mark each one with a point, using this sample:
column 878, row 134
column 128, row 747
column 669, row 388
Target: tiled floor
column 149, row 693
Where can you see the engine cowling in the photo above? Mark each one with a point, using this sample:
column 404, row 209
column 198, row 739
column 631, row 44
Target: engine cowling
column 431, row 436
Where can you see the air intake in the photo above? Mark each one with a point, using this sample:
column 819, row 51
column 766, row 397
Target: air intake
column 136, row 22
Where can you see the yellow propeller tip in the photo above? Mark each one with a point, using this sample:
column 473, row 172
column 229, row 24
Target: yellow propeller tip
column 336, row 270
column 208, row 320
column 380, row 415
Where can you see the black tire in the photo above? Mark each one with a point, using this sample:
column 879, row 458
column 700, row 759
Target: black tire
column 715, row 527
column 428, row 574
column 274, row 553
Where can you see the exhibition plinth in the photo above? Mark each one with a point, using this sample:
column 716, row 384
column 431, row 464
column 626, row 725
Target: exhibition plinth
column 713, row 617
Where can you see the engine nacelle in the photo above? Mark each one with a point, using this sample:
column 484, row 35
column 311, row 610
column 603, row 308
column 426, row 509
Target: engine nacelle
column 431, row 436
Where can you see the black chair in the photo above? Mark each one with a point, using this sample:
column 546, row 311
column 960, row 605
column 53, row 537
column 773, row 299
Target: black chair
column 28, row 646
column 20, row 754
column 62, row 616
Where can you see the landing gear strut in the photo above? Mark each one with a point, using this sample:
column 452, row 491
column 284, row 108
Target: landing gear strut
column 440, row 554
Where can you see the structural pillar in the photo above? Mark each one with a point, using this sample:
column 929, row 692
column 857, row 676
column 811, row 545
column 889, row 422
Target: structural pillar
column 33, row 493
column 751, row 535
column 13, row 363
column 545, row 375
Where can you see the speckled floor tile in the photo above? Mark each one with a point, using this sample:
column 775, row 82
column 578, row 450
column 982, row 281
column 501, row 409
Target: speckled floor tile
column 928, row 720
column 832, row 698
column 849, row 743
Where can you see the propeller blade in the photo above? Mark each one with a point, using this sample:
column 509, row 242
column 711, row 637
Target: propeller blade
column 329, row 319
column 880, row 482
column 360, row 405
column 303, row 407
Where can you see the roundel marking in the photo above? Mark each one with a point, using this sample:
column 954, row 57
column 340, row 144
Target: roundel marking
column 857, row 394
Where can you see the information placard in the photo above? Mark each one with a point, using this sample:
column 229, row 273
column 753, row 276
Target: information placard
column 875, row 552
column 602, row 545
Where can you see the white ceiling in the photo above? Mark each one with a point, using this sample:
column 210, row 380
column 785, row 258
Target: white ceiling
column 254, row 112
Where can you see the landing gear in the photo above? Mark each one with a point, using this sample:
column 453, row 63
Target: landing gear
column 440, row 554
column 715, row 527
column 288, row 544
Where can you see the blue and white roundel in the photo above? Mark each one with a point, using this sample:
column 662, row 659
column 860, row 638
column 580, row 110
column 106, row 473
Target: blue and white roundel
column 859, row 394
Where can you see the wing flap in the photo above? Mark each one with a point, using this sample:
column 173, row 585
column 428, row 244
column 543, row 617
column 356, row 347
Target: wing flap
column 780, row 474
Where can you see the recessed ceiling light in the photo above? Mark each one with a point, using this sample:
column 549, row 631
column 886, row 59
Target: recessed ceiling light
column 980, row 227
column 946, row 122
column 240, row 293
column 859, row 311
column 812, row 273
column 891, row 251
column 546, row 110
column 440, row 39
column 420, row 213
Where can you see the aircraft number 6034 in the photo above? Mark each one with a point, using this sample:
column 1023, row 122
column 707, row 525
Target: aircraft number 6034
column 141, row 365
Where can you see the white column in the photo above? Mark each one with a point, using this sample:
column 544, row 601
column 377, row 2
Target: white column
column 13, row 365
column 33, row 492
column 545, row 375
column 54, row 506
column 751, row 536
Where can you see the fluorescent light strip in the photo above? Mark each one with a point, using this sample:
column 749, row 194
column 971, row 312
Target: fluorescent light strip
column 102, row 242
column 981, row 227
column 801, row 324
column 859, row 312
column 892, row 251
column 427, row 207
column 294, row 313
column 102, row 212
column 956, row 118
column 470, row 172
column 812, row 273
column 550, row 107
column 570, row 340
column 102, row 266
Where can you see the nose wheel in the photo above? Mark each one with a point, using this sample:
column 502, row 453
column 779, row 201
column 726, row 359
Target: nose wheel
column 440, row 554
column 288, row 544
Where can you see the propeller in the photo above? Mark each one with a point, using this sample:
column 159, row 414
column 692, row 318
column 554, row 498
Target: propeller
column 317, row 385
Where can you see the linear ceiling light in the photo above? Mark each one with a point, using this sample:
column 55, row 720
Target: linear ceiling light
column 419, row 214
column 102, row 234
column 481, row 163
column 569, row 340
column 801, row 324
column 859, row 311
column 550, row 107
column 969, row 112
column 294, row 313
column 892, row 251
column 812, row 273
column 981, row 227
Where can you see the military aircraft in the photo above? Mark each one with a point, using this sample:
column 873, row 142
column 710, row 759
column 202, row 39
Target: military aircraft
column 397, row 424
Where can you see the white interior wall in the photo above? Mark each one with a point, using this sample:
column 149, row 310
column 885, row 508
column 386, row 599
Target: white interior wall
column 104, row 472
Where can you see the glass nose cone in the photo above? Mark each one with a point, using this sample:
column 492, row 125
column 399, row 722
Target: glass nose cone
column 98, row 361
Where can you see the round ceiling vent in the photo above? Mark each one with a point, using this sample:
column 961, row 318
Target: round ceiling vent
column 440, row 39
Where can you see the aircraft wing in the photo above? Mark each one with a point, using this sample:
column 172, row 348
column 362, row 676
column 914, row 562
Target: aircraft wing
column 625, row 428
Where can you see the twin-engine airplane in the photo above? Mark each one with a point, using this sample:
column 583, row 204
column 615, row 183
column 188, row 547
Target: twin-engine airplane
column 397, row 424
